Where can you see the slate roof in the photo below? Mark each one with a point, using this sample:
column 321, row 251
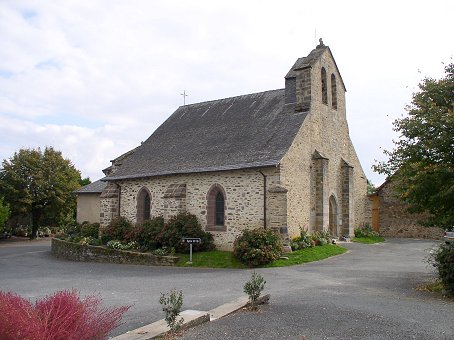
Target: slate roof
column 249, row 131
column 92, row 188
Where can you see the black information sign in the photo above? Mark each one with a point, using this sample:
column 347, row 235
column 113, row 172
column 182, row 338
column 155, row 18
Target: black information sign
column 191, row 240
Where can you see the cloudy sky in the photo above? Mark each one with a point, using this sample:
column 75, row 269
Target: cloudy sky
column 95, row 78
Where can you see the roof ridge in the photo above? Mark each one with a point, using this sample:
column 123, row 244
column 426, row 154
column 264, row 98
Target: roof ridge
column 217, row 100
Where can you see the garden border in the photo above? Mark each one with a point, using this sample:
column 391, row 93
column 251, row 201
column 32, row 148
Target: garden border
column 86, row 253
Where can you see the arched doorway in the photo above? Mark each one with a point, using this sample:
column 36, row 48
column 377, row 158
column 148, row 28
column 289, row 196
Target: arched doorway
column 333, row 221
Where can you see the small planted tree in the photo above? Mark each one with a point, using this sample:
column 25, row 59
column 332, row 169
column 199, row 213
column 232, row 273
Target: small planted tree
column 253, row 288
column 171, row 305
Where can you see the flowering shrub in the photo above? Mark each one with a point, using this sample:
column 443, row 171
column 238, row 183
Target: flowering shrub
column 115, row 244
column 62, row 315
column 257, row 247
column 302, row 241
column 321, row 238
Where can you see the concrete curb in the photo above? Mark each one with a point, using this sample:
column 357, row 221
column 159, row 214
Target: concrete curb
column 191, row 318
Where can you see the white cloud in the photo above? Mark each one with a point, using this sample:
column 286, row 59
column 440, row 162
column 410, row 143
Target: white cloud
column 95, row 78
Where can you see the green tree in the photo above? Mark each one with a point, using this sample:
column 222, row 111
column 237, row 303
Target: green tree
column 371, row 189
column 39, row 183
column 85, row 181
column 422, row 161
column 4, row 214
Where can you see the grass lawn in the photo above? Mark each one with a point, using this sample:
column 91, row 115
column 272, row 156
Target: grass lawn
column 308, row 255
column 225, row 259
column 210, row 259
column 368, row 240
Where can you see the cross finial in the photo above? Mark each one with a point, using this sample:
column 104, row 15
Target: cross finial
column 184, row 97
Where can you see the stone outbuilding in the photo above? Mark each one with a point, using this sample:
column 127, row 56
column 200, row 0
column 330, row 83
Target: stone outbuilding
column 391, row 218
column 279, row 159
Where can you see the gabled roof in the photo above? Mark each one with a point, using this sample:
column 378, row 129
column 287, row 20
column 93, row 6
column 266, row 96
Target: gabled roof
column 241, row 132
column 249, row 131
column 92, row 188
column 310, row 60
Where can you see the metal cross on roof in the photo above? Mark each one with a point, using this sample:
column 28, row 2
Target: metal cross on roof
column 184, row 97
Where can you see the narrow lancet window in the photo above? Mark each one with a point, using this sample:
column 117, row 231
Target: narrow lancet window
column 333, row 92
column 324, row 87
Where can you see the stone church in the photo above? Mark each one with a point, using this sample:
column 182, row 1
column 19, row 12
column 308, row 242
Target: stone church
column 279, row 159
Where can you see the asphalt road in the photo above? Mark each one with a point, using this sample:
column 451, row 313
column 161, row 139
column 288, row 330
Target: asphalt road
column 367, row 293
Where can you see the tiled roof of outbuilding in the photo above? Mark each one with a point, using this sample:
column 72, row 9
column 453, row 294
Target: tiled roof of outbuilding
column 92, row 188
column 241, row 132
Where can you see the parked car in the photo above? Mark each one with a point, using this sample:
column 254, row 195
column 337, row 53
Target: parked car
column 449, row 236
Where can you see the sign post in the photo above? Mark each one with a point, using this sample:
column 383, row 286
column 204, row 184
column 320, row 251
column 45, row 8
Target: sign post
column 191, row 241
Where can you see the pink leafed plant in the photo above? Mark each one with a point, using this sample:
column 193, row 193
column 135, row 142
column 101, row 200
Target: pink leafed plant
column 62, row 315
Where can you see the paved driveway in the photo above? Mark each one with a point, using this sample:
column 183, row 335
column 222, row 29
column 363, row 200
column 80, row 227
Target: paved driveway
column 366, row 293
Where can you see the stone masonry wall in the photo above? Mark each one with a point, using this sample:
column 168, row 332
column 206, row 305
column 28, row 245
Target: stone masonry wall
column 109, row 204
column 395, row 221
column 244, row 198
column 325, row 130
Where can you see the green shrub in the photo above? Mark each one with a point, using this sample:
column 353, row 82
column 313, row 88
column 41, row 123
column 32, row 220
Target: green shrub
column 94, row 242
column 257, row 247
column 72, row 228
column 184, row 225
column 116, row 230
column 321, row 238
column 365, row 231
column 443, row 260
column 89, row 229
column 22, row 231
column 302, row 241
column 44, row 232
column 146, row 234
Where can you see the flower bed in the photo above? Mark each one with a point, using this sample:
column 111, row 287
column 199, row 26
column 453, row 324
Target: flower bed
column 86, row 253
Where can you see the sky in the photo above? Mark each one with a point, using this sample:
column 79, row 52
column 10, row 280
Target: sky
column 94, row 79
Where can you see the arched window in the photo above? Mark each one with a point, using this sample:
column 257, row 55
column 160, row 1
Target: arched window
column 219, row 209
column 216, row 203
column 333, row 92
column 324, row 87
column 143, row 205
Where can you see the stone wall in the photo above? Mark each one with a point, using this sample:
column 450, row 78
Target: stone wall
column 324, row 130
column 78, row 252
column 109, row 204
column 396, row 221
column 244, row 198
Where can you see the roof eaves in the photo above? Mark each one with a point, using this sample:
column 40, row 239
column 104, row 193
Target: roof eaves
column 197, row 170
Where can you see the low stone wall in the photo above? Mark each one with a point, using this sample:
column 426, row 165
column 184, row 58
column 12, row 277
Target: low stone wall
column 78, row 252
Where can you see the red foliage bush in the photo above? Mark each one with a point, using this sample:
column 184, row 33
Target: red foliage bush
column 62, row 315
